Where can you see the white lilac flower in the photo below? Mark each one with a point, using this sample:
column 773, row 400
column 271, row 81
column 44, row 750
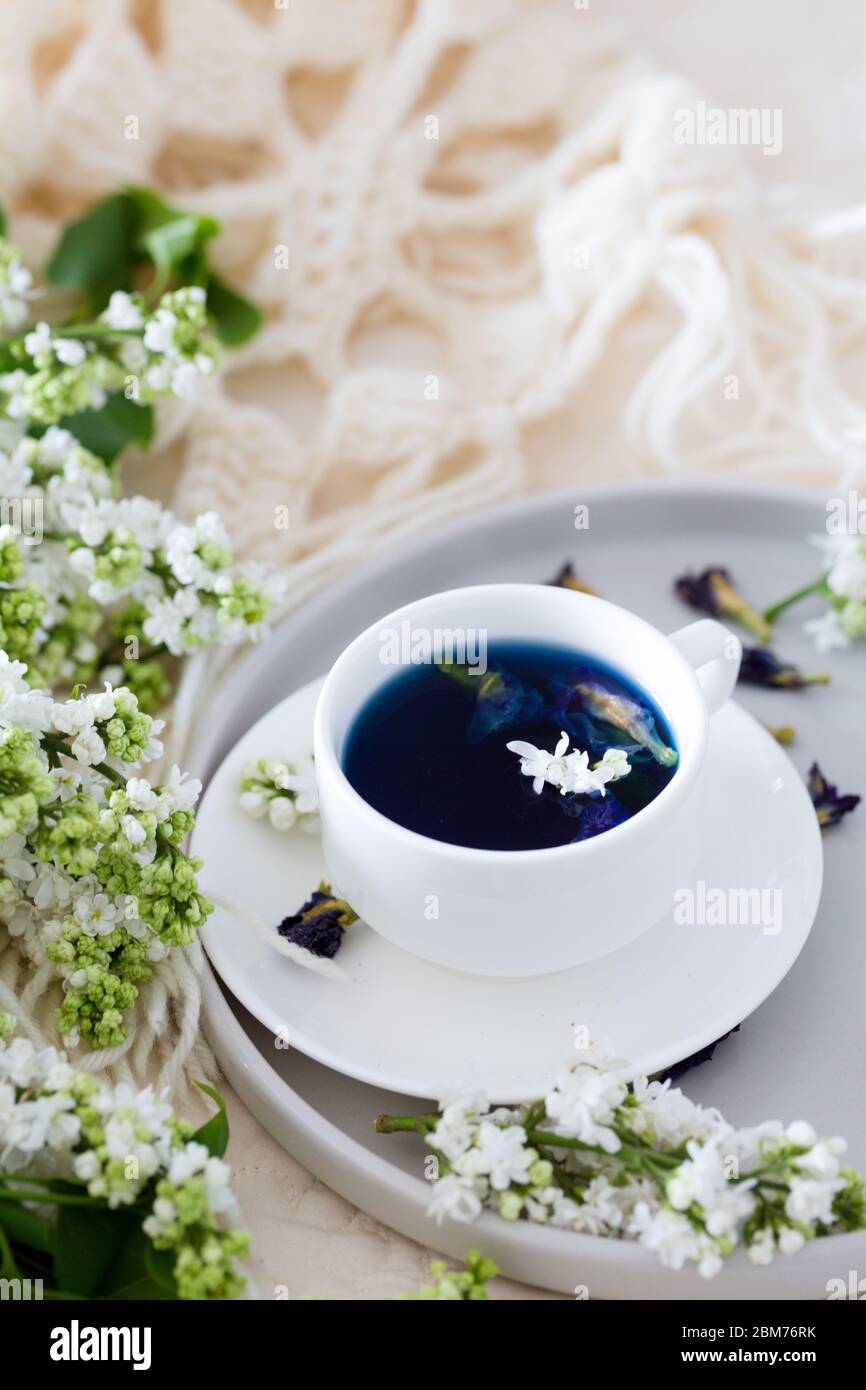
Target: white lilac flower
column 16, row 860
column 159, row 332
column 196, row 552
column 828, row 632
column 46, row 1122
column 498, row 1154
column 762, row 1247
column 583, row 1106
column 69, row 351
column 602, row 1211
column 51, row 889
column 185, row 380
column 300, row 779
column 791, row 1241
column 579, row 777
column 19, row 705
column 843, row 585
column 133, row 830
column 140, row 794
column 122, row 312
column 628, row 1176
column 539, row 765
column 456, row 1198
column 131, row 1138
column 284, row 792
column 822, row 1159
column 187, row 1162
column 38, row 343
column 20, row 1063
column 88, row 747
column 847, row 574
column 614, row 765
column 282, row 813
column 665, row 1233
column 73, row 716
column 103, row 703
column 664, row 1113
column 457, row 1123
column 96, row 914
column 16, row 288
column 700, row 1178
column 811, row 1199
column 728, row 1208
column 255, row 803
column 570, row 772
column 75, row 834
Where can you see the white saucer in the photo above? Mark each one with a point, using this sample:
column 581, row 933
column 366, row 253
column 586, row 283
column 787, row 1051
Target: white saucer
column 421, row 1030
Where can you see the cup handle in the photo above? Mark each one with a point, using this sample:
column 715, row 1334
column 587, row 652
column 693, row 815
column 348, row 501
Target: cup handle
column 714, row 654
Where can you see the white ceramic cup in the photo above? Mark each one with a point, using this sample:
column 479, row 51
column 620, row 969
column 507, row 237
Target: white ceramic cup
column 524, row 912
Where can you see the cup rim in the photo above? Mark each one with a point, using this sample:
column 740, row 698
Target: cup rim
column 328, row 763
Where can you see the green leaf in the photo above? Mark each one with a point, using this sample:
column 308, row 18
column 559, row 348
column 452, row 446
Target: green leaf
column 2, row 221
column 99, row 253
column 214, row 1133
column 129, row 1276
column 24, row 1227
column 106, row 431
column 172, row 242
column 160, row 1266
column 236, row 318
column 8, row 1267
column 167, row 235
column 86, row 1245
column 95, row 253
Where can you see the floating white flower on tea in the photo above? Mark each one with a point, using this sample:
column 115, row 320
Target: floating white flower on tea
column 570, row 772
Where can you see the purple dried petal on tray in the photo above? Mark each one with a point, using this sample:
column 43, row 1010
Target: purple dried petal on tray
column 829, row 804
column 318, row 926
column 697, row 1059
column 566, row 578
column 714, row 592
column 760, row 666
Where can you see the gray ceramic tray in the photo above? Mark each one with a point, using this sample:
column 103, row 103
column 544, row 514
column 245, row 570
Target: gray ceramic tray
column 799, row 1056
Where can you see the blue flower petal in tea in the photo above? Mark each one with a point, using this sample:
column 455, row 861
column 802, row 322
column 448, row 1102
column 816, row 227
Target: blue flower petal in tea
column 500, row 698
column 318, row 925
column 598, row 816
column 829, row 804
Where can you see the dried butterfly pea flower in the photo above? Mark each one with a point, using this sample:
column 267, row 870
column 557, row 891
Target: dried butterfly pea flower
column 714, row 592
column 627, row 716
column 318, row 926
column 760, row 666
column 782, row 733
column 566, row 578
column 697, row 1059
column 830, row 806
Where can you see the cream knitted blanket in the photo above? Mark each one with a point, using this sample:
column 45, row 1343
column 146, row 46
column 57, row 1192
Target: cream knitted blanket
column 455, row 213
